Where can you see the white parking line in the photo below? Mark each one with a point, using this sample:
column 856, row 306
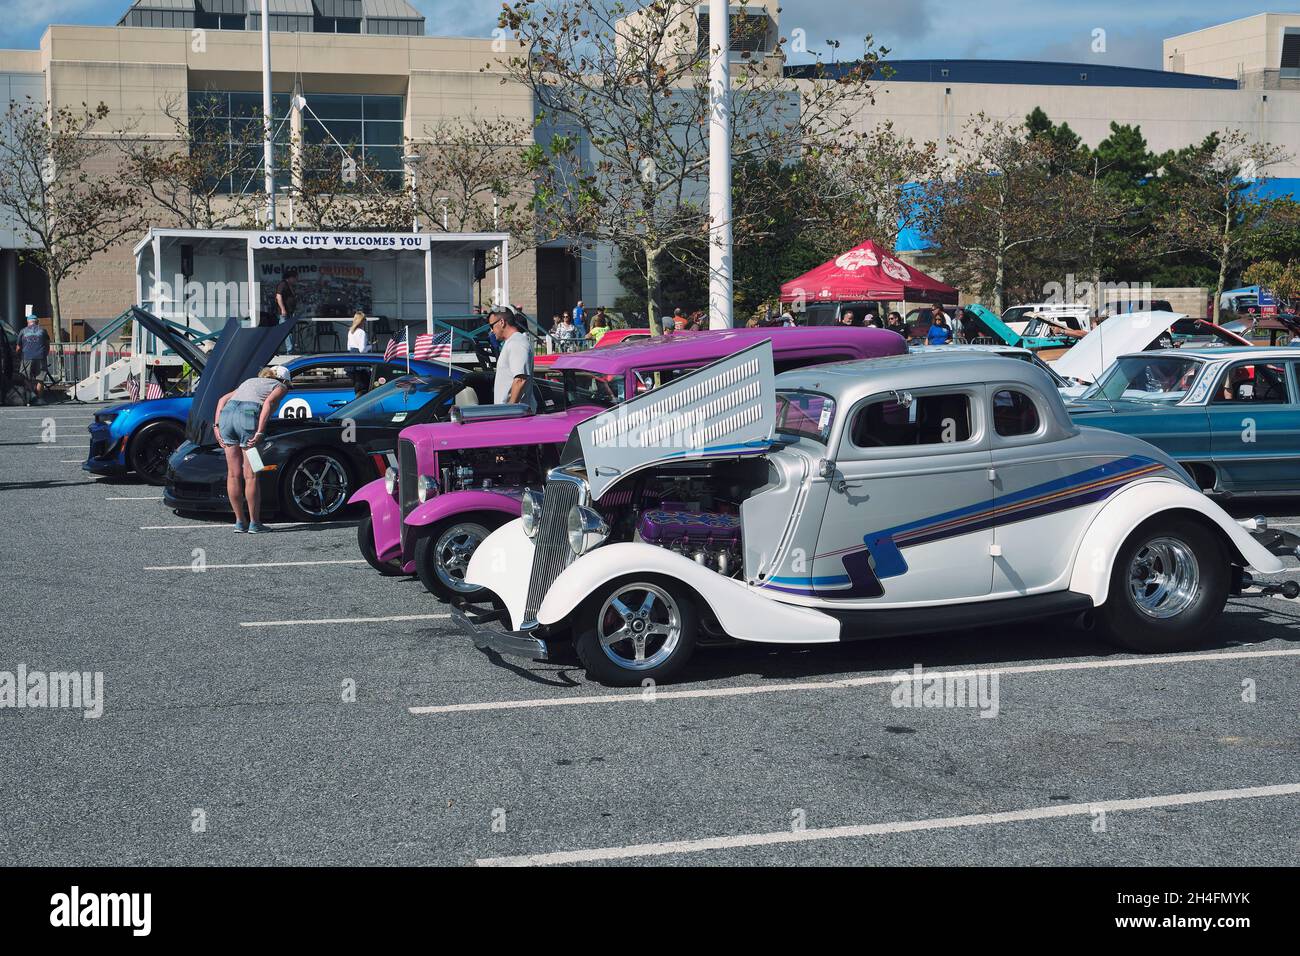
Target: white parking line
column 346, row 620
column 220, row 526
column 44, row 445
column 901, row 826
column 134, row 498
column 818, row 685
column 264, row 564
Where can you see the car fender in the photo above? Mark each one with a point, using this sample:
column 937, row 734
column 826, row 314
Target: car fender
column 459, row 502
column 385, row 518
column 1114, row 522
column 742, row 612
column 502, row 564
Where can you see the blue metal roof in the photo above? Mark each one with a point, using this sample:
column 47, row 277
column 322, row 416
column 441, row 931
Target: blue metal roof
column 1279, row 187
column 1027, row 73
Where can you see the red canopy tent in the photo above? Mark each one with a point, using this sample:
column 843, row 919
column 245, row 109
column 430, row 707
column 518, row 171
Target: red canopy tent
column 867, row 273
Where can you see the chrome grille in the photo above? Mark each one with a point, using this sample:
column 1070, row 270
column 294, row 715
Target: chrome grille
column 408, row 476
column 551, row 552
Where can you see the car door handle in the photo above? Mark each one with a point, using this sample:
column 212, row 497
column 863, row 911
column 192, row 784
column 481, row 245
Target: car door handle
column 608, row 472
column 338, row 404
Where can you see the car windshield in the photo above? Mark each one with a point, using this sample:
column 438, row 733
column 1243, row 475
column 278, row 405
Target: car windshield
column 803, row 414
column 1035, row 361
column 1041, row 327
column 1198, row 332
column 1155, row 378
column 393, row 402
column 586, row 388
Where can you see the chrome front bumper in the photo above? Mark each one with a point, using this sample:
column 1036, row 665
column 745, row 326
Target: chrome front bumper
column 482, row 626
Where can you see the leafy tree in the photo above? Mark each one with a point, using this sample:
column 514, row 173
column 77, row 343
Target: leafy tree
column 624, row 94
column 682, row 284
column 865, row 184
column 1211, row 209
column 334, row 188
column 1282, row 279
column 189, row 176
column 70, row 212
column 779, row 241
column 1006, row 197
column 478, row 177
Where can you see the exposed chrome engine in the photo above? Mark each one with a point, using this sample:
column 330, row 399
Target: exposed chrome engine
column 484, row 469
column 692, row 510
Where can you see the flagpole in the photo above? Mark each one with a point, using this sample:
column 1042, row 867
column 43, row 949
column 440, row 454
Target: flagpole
column 721, row 301
column 408, row 350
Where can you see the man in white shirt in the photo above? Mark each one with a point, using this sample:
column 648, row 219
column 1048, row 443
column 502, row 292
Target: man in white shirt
column 514, row 378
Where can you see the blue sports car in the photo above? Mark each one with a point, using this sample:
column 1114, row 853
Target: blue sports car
column 141, row 436
column 1229, row 416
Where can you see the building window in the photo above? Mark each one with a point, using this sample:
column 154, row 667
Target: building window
column 219, row 21
column 161, row 18
column 337, row 25
column 369, row 128
column 394, row 27
column 750, row 32
column 1291, row 54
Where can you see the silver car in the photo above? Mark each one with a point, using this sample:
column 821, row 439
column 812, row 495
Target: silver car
column 890, row 496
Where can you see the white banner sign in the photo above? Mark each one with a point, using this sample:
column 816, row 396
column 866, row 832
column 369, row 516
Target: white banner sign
column 350, row 241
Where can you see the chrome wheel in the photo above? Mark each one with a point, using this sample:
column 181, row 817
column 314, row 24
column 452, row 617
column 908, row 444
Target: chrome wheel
column 451, row 554
column 318, row 486
column 1164, row 578
column 639, row 626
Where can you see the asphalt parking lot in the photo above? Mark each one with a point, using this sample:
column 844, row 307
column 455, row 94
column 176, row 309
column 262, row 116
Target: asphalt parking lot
column 229, row 733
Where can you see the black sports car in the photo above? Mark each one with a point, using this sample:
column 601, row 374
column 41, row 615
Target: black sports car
column 313, row 465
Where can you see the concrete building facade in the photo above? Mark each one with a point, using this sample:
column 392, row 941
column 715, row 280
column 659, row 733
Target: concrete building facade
column 374, row 52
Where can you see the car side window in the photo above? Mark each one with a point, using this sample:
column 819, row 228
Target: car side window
column 803, row 361
column 1014, row 413
column 928, row 420
column 333, row 377
column 1261, row 383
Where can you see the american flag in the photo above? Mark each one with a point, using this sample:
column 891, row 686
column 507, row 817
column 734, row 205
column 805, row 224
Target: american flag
column 433, row 347
column 430, row 346
column 152, row 390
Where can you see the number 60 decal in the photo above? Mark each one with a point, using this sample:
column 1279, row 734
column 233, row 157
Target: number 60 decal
column 295, row 408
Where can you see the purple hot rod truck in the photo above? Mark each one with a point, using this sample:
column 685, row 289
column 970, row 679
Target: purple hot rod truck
column 457, row 481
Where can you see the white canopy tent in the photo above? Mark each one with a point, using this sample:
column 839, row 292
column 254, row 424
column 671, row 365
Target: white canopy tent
column 202, row 277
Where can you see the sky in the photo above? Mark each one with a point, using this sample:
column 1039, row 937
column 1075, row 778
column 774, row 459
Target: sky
column 911, row 29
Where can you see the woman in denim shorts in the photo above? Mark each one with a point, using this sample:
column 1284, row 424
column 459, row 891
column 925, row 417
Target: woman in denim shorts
column 241, row 416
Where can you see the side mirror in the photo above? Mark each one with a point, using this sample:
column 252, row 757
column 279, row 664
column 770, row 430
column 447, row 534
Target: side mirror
column 904, row 399
column 826, row 468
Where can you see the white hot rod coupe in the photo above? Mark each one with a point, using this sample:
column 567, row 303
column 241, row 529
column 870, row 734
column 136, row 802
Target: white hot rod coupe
column 890, row 496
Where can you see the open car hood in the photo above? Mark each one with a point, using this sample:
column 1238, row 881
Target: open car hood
column 1118, row 335
column 994, row 324
column 239, row 353
column 194, row 356
column 724, row 409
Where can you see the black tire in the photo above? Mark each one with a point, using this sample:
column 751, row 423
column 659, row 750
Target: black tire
column 150, row 449
column 391, row 568
column 1142, row 613
column 617, row 667
column 299, row 501
column 453, row 534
